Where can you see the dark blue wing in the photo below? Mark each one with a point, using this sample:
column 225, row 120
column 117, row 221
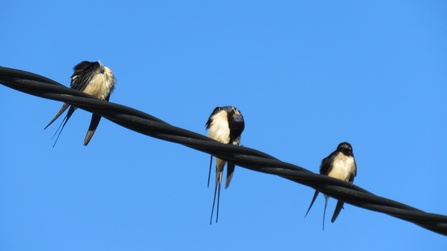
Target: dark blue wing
column 84, row 73
column 326, row 163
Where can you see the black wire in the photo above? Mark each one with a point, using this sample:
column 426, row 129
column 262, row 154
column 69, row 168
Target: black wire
column 242, row 156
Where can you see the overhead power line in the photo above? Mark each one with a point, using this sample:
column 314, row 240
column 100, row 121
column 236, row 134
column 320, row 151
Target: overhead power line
column 242, row 156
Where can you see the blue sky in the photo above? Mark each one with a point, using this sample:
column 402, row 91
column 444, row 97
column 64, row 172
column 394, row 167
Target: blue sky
column 306, row 76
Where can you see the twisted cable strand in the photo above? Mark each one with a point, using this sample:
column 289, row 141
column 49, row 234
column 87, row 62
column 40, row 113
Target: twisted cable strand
column 242, row 156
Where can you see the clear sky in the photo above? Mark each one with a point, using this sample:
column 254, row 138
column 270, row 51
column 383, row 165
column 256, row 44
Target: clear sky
column 306, row 76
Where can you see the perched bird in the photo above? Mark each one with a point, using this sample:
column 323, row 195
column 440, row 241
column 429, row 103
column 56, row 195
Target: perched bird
column 92, row 78
column 340, row 164
column 225, row 125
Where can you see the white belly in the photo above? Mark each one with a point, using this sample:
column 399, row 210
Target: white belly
column 219, row 129
column 343, row 168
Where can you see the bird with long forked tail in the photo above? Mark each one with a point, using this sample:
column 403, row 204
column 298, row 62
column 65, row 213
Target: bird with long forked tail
column 225, row 125
column 340, row 164
column 92, row 78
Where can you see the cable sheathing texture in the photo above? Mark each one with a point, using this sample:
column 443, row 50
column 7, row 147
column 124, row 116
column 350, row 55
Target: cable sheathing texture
column 242, row 156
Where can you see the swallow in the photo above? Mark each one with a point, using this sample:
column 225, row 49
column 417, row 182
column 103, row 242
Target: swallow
column 340, row 164
column 225, row 125
column 92, row 78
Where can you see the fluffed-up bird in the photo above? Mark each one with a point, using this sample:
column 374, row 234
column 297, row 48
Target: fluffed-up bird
column 92, row 78
column 340, row 164
column 225, row 125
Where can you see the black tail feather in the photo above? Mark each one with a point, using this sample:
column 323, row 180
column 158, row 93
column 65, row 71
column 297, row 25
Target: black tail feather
column 216, row 191
column 62, row 125
column 230, row 172
column 209, row 172
column 92, row 128
column 337, row 211
column 313, row 200
column 62, row 110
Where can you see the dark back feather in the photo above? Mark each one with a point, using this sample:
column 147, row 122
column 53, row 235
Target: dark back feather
column 83, row 74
